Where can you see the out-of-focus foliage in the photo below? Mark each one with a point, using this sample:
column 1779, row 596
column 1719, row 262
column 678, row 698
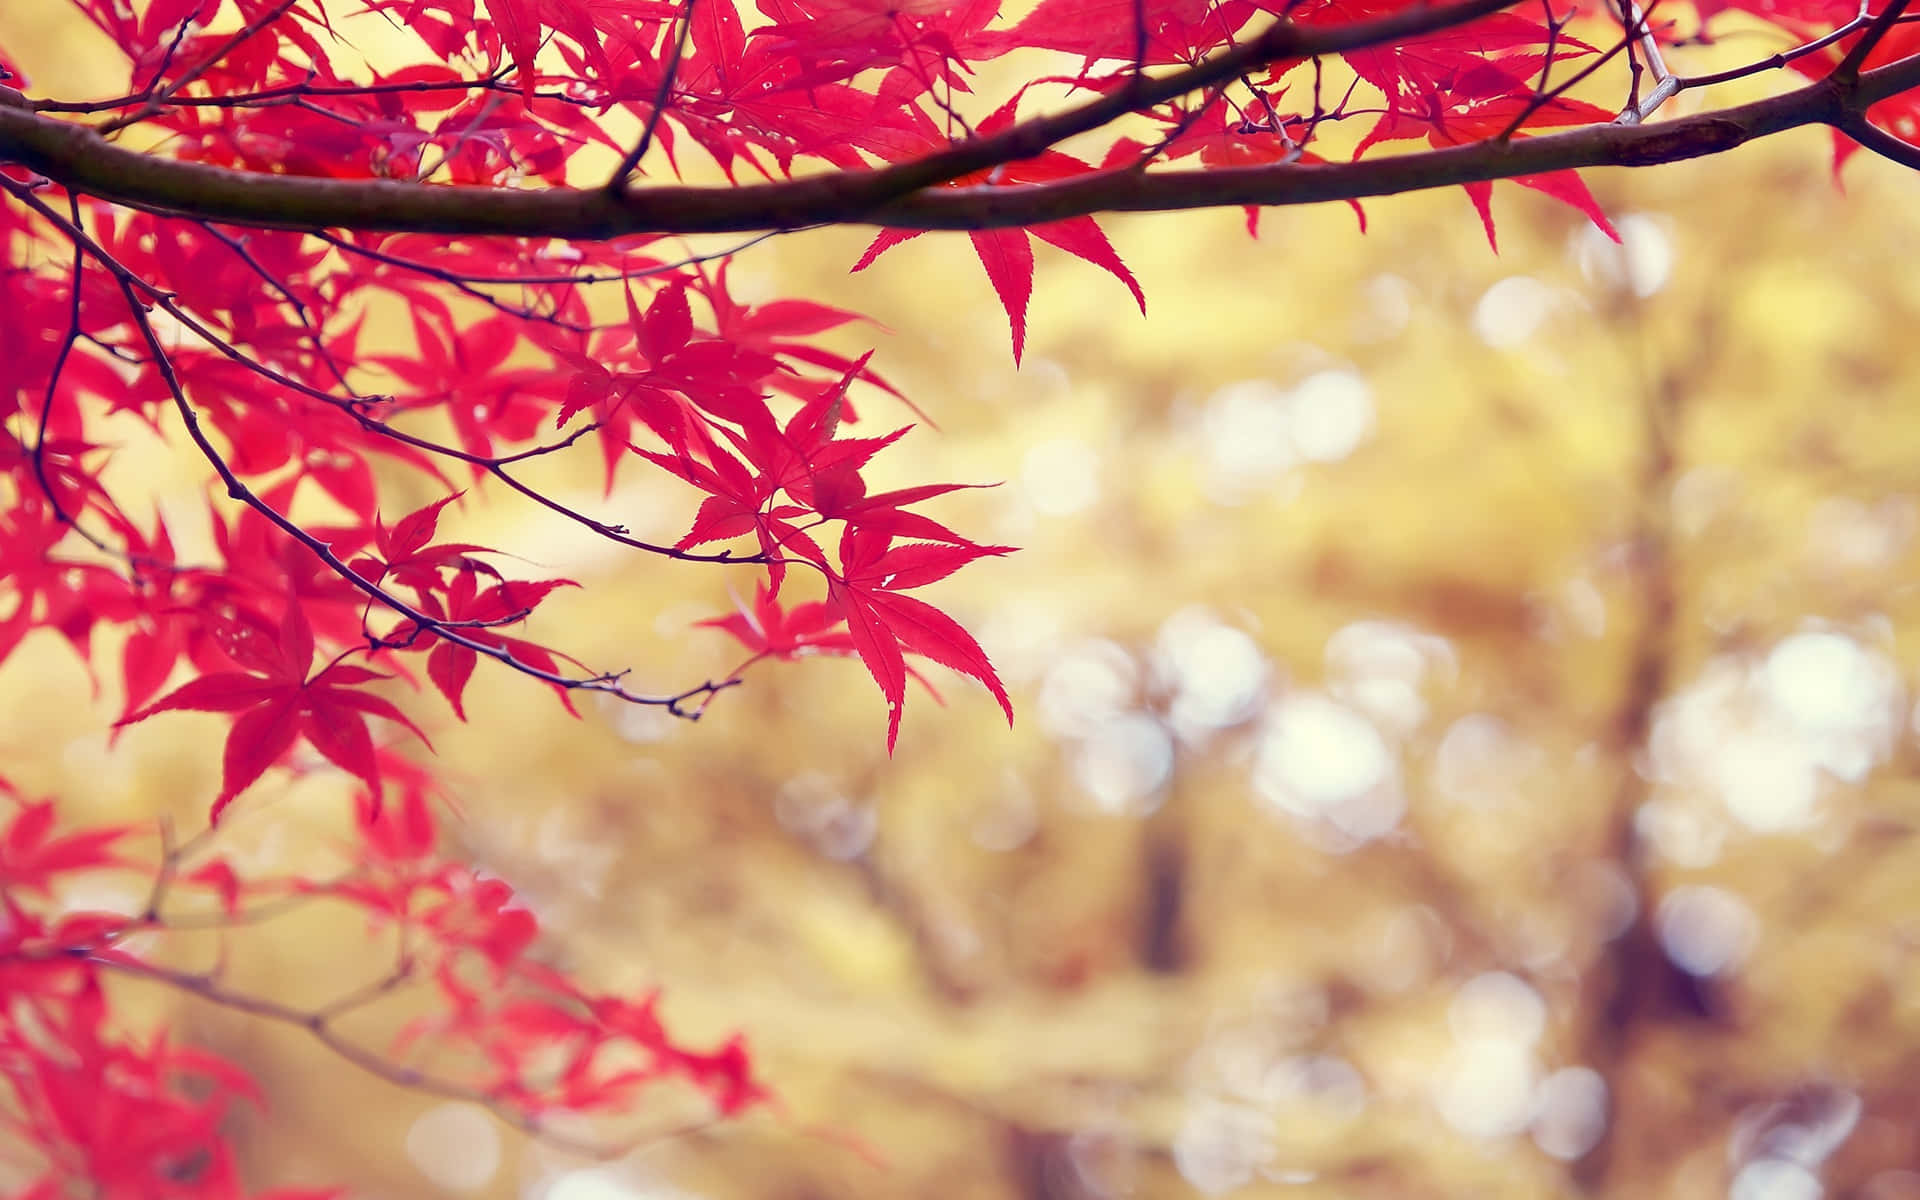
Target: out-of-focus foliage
column 1466, row 743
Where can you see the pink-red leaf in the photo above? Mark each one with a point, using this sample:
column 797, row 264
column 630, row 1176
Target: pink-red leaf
column 878, row 649
column 925, row 630
column 257, row 741
column 450, row 666
column 1008, row 258
column 1083, row 238
column 227, row 691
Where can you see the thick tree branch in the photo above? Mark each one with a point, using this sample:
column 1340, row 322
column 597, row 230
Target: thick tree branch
column 901, row 197
column 76, row 159
column 1283, row 40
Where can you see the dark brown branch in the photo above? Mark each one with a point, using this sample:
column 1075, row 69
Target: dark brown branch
column 77, row 159
column 1881, row 142
column 1772, row 62
column 895, row 196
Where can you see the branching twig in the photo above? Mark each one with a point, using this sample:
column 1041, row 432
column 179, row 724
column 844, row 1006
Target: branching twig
column 279, row 287
column 457, row 282
column 1848, row 69
column 37, row 453
column 130, row 286
column 631, row 159
column 158, row 97
column 354, row 410
column 319, row 1025
column 1872, row 137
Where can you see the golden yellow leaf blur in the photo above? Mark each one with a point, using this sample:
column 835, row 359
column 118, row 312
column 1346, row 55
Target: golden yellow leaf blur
column 1465, row 740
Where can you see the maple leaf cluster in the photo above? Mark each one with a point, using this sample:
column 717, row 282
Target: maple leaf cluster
column 411, row 332
column 146, row 1118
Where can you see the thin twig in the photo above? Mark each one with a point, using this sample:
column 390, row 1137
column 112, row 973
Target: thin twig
column 130, row 285
column 631, row 159
column 1848, row 69
column 156, row 100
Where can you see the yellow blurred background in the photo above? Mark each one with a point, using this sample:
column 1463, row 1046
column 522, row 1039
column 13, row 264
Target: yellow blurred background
column 1465, row 741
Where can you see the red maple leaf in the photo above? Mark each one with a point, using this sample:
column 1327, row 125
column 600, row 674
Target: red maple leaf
column 478, row 617
column 278, row 703
column 1006, row 254
column 407, row 558
column 30, row 856
column 883, row 624
column 773, row 631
